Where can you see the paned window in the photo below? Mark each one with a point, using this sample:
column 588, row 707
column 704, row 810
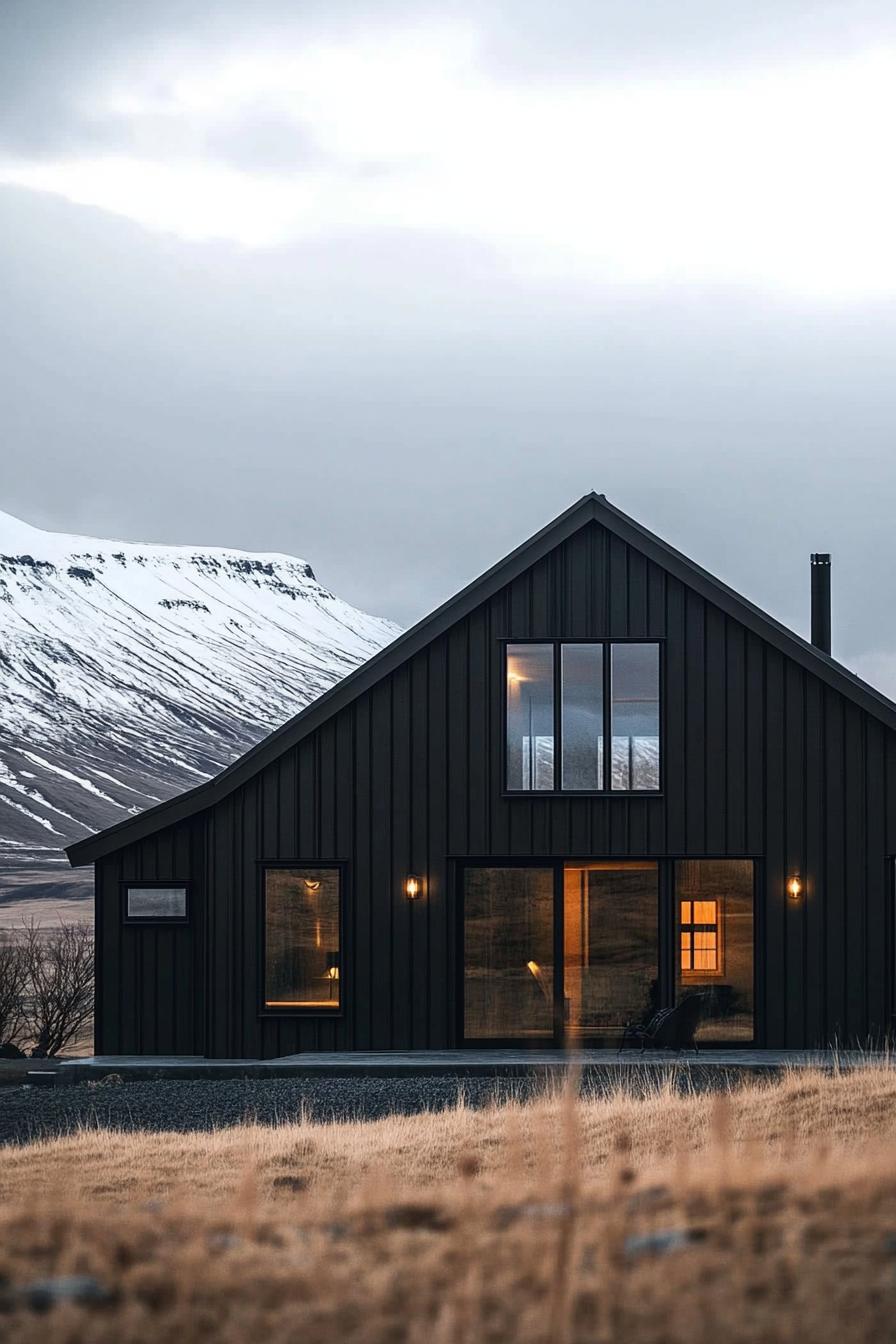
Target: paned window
column 700, row 937
column 566, row 700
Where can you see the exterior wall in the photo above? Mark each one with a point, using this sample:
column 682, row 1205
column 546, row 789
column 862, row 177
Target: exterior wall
column 151, row 979
column 761, row 759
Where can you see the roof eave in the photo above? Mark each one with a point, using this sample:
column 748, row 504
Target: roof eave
column 212, row 791
column 787, row 641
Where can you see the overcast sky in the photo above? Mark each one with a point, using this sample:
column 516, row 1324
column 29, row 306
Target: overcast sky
column 388, row 286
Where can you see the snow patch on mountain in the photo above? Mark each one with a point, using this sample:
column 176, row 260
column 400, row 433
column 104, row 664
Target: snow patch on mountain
column 131, row 671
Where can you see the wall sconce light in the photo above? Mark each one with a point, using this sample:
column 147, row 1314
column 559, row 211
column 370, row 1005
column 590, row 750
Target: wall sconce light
column 794, row 886
column 412, row 886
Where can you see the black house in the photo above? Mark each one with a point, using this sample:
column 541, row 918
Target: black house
column 595, row 781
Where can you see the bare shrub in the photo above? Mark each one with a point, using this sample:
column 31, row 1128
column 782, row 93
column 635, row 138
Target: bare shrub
column 13, row 982
column 60, row 974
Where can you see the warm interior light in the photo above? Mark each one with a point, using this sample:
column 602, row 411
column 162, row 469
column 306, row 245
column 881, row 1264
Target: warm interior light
column 700, row 937
column 332, row 972
column 516, row 670
column 795, row 887
column 311, row 884
column 412, row 887
column 540, row 978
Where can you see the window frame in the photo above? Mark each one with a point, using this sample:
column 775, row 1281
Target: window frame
column 667, row 936
column 319, row 1012
column 694, row 973
column 607, row 671
column 690, row 980
column 158, row 884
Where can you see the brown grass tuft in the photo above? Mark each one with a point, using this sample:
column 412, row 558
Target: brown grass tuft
column 767, row 1214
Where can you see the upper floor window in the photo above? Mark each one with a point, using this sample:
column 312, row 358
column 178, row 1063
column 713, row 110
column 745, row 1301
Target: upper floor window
column 635, row 719
column 566, row 701
column 530, row 716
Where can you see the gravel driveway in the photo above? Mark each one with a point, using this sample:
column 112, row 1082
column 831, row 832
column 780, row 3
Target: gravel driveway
column 31, row 1112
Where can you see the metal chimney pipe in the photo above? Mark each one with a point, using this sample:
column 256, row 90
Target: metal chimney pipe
column 821, row 602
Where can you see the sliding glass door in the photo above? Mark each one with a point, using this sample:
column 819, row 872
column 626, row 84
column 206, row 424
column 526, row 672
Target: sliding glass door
column 610, row 945
column 714, row 944
column 574, row 950
column 509, row 954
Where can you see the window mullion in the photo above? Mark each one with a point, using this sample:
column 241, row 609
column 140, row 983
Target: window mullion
column 606, row 662
column 558, row 716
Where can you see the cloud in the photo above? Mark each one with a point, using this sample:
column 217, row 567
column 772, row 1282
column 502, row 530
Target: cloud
column 403, row 412
column 769, row 178
column 642, row 144
column 390, row 284
column 261, row 139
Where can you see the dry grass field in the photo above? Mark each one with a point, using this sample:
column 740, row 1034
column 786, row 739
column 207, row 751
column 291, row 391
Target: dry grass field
column 767, row 1215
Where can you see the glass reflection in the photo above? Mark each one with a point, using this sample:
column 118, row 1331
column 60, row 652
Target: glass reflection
column 610, row 940
column 714, row 914
column 301, row 938
column 508, row 952
column 635, row 704
column 530, row 716
column 582, row 713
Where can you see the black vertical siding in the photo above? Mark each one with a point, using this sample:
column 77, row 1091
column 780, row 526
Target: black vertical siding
column 150, row 982
column 760, row 759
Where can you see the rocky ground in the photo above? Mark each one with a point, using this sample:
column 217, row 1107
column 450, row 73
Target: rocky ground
column 28, row 1112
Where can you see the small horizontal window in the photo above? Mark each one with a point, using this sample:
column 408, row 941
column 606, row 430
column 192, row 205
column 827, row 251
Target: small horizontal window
column 156, row 903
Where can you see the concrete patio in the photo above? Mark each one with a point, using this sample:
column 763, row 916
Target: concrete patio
column 606, row 1064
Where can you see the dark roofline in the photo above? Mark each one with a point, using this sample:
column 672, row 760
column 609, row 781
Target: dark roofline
column 590, row 508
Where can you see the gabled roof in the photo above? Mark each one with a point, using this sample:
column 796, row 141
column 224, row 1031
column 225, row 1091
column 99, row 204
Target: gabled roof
column 590, row 508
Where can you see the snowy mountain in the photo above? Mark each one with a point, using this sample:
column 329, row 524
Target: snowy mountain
column 130, row 672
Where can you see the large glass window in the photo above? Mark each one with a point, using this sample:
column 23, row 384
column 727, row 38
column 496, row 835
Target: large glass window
column 714, row 917
column 636, row 716
column 583, row 694
column 508, row 953
column 582, row 715
column 302, row 938
column 577, row 949
column 530, row 716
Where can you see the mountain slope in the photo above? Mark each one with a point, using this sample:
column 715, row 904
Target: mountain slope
column 130, row 672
